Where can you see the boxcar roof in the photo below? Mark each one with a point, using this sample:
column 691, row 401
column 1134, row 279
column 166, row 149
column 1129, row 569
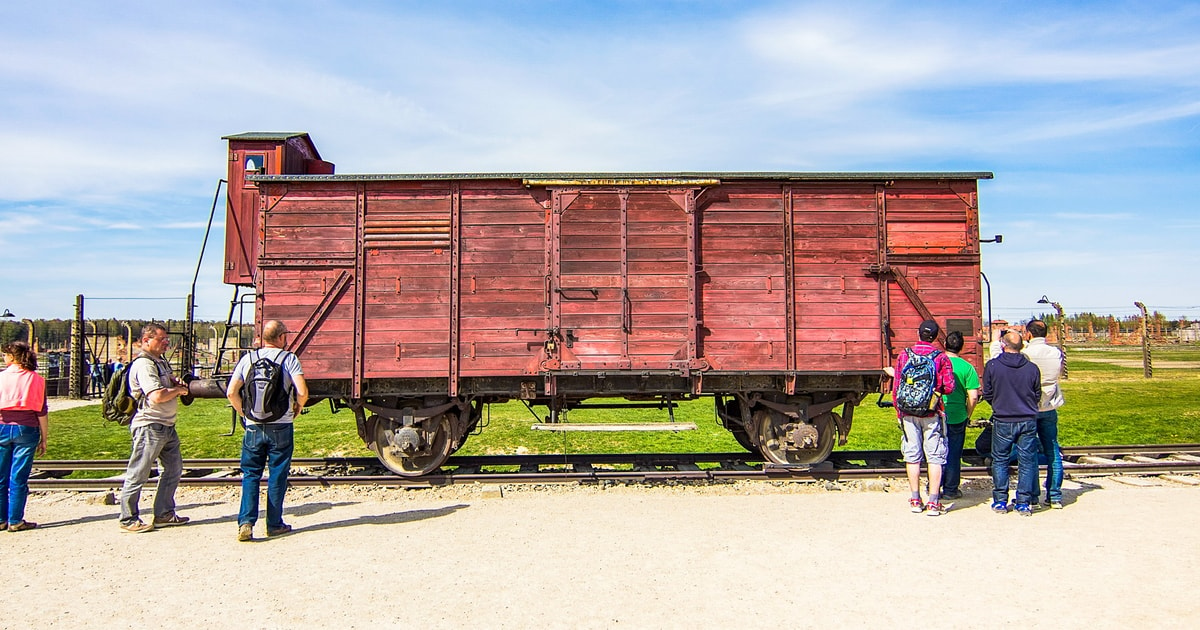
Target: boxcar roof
column 631, row 179
column 271, row 136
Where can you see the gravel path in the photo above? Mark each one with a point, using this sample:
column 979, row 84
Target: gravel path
column 732, row 556
column 58, row 404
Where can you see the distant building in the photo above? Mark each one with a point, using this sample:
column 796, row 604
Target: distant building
column 1001, row 325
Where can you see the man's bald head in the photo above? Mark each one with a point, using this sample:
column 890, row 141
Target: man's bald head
column 1013, row 342
column 273, row 332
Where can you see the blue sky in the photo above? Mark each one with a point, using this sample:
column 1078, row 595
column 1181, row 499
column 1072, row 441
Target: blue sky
column 111, row 116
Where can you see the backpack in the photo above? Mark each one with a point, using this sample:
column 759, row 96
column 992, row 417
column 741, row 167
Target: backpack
column 118, row 403
column 265, row 396
column 917, row 384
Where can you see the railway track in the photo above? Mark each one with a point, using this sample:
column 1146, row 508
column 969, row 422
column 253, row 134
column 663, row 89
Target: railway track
column 620, row 468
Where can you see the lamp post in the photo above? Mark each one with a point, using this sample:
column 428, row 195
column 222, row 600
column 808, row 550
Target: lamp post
column 999, row 238
column 1061, row 328
column 7, row 314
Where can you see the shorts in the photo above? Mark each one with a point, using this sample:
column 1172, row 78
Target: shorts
column 925, row 436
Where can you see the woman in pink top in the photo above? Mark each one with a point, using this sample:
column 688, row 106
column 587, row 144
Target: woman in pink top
column 23, row 429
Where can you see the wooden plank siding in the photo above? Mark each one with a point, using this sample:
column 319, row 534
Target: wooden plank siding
column 503, row 270
column 622, row 285
column 933, row 239
column 835, row 238
column 305, row 230
column 612, row 266
column 743, row 279
column 405, row 328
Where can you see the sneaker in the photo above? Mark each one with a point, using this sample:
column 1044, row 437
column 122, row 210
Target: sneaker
column 933, row 508
column 1000, row 507
column 22, row 526
column 1024, row 510
column 170, row 519
column 916, row 506
column 245, row 532
column 952, row 494
column 137, row 527
column 278, row 531
column 1057, row 505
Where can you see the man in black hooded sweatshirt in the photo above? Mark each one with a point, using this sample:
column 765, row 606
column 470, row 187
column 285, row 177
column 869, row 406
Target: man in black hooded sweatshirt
column 1012, row 385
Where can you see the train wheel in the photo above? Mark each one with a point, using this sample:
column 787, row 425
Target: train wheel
column 728, row 408
column 778, row 443
column 432, row 440
column 743, row 438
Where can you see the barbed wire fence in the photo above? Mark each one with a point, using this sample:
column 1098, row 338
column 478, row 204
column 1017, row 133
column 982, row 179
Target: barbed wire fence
column 104, row 343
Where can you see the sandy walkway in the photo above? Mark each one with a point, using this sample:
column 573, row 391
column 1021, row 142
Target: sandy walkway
column 683, row 557
column 58, row 404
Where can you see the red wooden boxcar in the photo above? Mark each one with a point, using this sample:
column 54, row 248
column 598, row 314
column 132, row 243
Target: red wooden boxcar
column 417, row 299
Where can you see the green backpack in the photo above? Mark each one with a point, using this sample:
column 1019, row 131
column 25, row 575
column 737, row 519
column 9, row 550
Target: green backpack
column 119, row 404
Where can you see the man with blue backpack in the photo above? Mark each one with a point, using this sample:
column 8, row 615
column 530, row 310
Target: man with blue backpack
column 268, row 389
column 923, row 374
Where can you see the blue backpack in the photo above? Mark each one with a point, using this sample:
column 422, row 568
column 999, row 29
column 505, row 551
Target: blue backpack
column 917, row 384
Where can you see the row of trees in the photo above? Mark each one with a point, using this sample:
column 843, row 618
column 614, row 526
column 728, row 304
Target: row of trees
column 1094, row 325
column 55, row 334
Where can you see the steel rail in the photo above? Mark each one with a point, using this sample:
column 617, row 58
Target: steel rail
column 607, row 458
column 582, row 468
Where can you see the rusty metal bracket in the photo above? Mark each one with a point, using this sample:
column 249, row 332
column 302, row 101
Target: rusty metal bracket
column 909, row 291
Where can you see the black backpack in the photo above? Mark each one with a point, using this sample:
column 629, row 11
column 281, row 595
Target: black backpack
column 265, row 395
column 119, row 405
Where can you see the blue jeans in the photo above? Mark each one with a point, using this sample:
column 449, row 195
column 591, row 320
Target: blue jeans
column 17, row 446
column 1023, row 435
column 265, row 445
column 956, row 436
column 152, row 442
column 1047, row 430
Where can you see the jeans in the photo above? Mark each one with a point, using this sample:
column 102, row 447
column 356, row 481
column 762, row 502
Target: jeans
column 152, row 442
column 956, row 436
column 1047, row 431
column 265, row 445
column 17, row 446
column 1023, row 435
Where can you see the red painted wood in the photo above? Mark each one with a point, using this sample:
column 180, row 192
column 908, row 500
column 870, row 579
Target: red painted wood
column 640, row 271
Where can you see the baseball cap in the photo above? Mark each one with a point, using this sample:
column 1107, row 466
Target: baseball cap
column 929, row 328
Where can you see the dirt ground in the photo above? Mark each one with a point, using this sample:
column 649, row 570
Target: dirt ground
column 742, row 555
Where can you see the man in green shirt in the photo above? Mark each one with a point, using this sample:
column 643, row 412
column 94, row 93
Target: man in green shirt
column 960, row 403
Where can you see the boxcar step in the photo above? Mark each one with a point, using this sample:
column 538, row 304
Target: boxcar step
column 652, row 426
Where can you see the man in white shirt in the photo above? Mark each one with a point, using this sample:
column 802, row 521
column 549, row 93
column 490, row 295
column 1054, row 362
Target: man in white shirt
column 1052, row 363
column 267, row 442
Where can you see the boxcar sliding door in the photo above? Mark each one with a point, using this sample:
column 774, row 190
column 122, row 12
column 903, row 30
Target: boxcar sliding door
column 621, row 257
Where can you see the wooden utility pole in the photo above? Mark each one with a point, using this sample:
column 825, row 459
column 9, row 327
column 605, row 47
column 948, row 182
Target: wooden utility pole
column 79, row 360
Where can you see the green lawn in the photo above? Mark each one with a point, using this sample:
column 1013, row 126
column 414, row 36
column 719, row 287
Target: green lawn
column 1106, row 404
